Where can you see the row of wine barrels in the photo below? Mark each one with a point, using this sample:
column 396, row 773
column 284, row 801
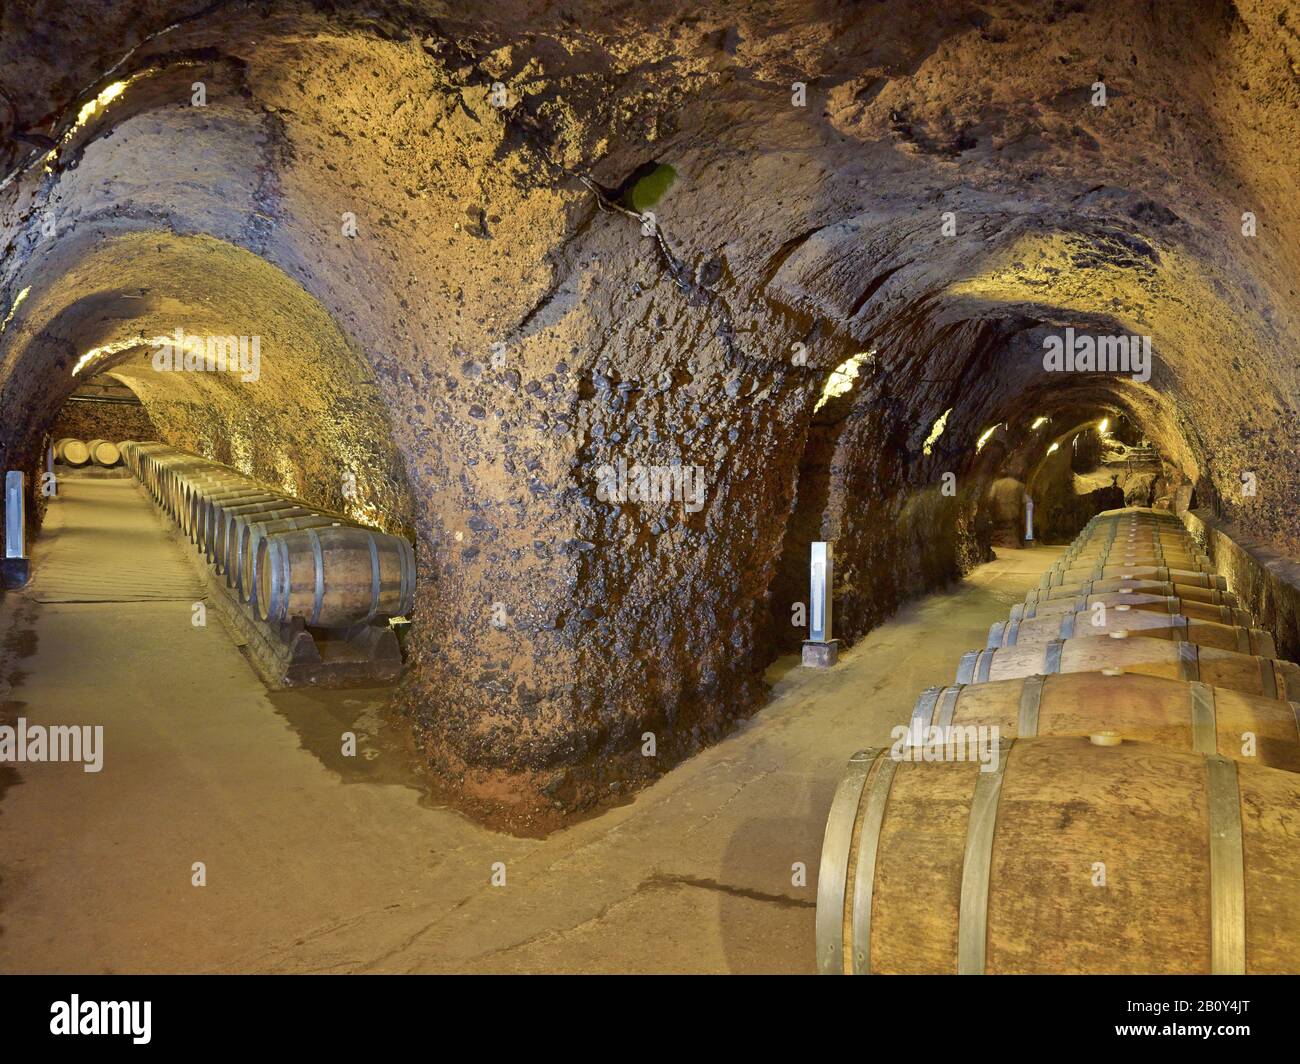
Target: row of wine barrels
column 1132, row 586
column 1068, row 856
column 1171, row 553
column 283, row 557
column 73, row 452
column 1114, row 620
column 1154, row 749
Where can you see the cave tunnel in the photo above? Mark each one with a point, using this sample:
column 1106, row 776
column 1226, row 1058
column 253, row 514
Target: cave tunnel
column 552, row 345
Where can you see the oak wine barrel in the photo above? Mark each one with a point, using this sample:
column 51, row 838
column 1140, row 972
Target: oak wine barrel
column 72, row 452
column 1149, row 709
column 1175, row 660
column 333, row 577
column 1159, row 573
column 1069, row 857
column 237, row 537
column 1205, row 611
column 103, row 453
column 1136, row 587
column 1122, row 618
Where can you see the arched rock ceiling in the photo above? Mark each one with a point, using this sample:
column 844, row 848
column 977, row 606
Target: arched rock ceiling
column 818, row 225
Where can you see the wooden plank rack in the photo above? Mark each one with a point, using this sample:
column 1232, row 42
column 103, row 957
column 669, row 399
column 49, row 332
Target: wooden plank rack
column 293, row 655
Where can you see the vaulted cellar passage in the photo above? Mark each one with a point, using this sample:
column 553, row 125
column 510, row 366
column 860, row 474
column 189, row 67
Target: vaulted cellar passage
column 423, row 424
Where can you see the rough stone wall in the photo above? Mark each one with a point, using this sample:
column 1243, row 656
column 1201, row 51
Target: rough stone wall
column 103, row 421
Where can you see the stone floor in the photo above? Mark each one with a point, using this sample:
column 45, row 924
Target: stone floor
column 319, row 862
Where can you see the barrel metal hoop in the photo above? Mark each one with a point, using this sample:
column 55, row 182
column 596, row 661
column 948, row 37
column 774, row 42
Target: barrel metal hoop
column 947, row 708
column 1205, row 727
column 1227, row 870
column 985, row 663
column 320, row 575
column 966, row 666
column 280, row 587
column 864, row 877
column 374, row 577
column 832, row 876
column 922, row 714
column 973, row 914
column 1268, row 678
column 1052, row 657
column 1189, row 662
column 408, row 576
column 1243, row 640
column 1031, row 699
column 1012, row 633
column 997, row 633
column 1067, row 625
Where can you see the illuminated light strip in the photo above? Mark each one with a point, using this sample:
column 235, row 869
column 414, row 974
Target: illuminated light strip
column 18, row 302
column 842, row 377
column 937, row 431
column 194, row 344
column 979, row 444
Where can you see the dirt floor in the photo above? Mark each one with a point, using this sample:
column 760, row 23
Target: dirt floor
column 316, row 862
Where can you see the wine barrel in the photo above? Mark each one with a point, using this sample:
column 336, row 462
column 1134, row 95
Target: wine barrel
column 1203, row 611
column 333, row 577
column 1163, row 574
column 1117, row 619
column 1134, row 587
column 943, row 868
column 1267, row 677
column 72, row 452
column 217, row 519
column 254, row 532
column 1151, row 709
column 103, row 453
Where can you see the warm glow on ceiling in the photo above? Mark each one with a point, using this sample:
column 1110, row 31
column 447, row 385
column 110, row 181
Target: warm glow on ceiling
column 936, row 431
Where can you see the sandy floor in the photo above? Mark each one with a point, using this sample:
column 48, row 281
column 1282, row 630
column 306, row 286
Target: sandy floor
column 318, row 862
